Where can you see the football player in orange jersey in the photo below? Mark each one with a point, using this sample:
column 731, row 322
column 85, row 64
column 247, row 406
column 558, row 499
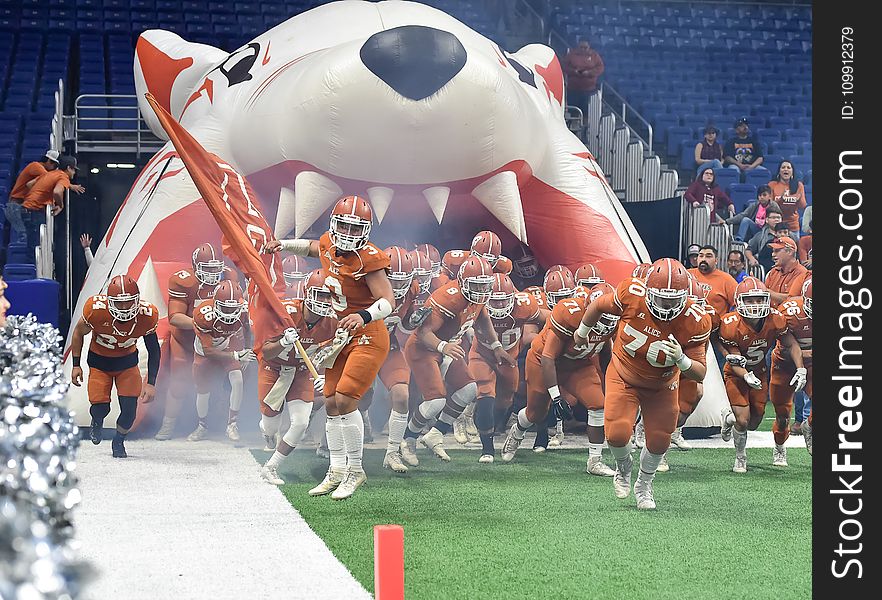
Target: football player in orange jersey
column 438, row 361
column 588, row 276
column 438, row 278
column 485, row 244
column 648, row 361
column 362, row 298
column 295, row 270
column 395, row 374
column 638, row 439
column 787, row 376
column 217, row 325
column 525, row 271
column 510, row 313
column 561, row 373
column 747, row 333
column 116, row 321
column 187, row 290
column 284, row 375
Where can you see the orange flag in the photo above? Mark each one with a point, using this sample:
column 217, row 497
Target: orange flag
column 231, row 201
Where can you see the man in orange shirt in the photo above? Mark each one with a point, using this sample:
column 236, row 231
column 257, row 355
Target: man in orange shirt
column 23, row 183
column 787, row 270
column 722, row 290
column 49, row 189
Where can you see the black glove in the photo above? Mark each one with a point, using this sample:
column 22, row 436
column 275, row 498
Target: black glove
column 562, row 410
column 418, row 316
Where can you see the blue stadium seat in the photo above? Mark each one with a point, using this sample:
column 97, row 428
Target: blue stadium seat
column 18, row 253
column 675, row 136
column 802, row 165
column 805, row 148
column 687, row 155
column 767, row 135
column 808, row 192
column 758, row 176
column 660, row 125
column 725, row 177
column 797, row 135
column 784, row 148
column 742, row 194
column 18, row 271
column 781, row 123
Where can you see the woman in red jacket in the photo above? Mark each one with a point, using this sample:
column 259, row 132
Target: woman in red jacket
column 704, row 191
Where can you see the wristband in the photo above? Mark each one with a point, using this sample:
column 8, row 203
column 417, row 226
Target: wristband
column 684, row 363
column 554, row 391
column 583, row 330
column 379, row 310
column 441, row 346
column 495, row 345
column 298, row 247
column 76, row 361
column 365, row 315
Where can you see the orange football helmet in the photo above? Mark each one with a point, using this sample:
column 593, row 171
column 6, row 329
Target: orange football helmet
column 228, row 303
column 487, row 244
column 559, row 284
column 588, row 276
column 640, row 271
column 294, row 269
column 434, row 256
column 667, row 284
column 209, row 269
column 752, row 299
column 607, row 322
column 698, row 290
column 476, row 279
column 318, row 295
column 501, row 302
column 123, row 297
column 400, row 270
column 351, row 222
column 422, row 269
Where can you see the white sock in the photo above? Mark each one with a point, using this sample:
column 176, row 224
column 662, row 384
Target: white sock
column 595, row 449
column 739, row 438
column 352, row 427
column 275, row 460
column 336, row 447
column 235, row 378
column 202, row 405
column 299, row 412
column 621, row 453
column 648, row 465
column 271, row 424
column 523, row 424
column 397, row 426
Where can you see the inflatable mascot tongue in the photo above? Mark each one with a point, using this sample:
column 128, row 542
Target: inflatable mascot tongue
column 442, row 130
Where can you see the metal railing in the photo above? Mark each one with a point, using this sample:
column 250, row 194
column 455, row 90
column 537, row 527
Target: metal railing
column 111, row 123
column 627, row 111
column 44, row 254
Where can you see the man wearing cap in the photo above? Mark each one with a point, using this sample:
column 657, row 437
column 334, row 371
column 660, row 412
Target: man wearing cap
column 758, row 250
column 48, row 189
column 692, row 253
column 787, row 269
column 709, row 152
column 23, row 184
column 742, row 152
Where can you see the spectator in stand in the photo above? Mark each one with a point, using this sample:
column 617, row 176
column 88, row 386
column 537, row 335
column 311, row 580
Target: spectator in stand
column 23, row 184
column 709, row 151
column 743, row 152
column 582, row 67
column 48, row 190
column 805, row 247
column 787, row 270
column 722, row 284
column 692, row 254
column 735, row 264
column 807, row 219
column 705, row 192
column 758, row 251
column 86, row 243
column 753, row 217
column 789, row 194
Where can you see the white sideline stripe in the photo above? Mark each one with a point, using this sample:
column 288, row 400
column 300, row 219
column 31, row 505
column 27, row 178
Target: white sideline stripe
column 181, row 519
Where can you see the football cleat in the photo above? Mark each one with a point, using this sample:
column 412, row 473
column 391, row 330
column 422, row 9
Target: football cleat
column 663, row 466
column 643, row 493
column 393, row 460
column 329, row 483
column 740, row 464
column 511, row 444
column 779, row 456
column 407, row 448
column 434, row 441
column 459, row 430
column 96, row 432
column 639, row 435
column 351, row 482
column 270, row 475
column 198, row 433
column 233, row 431
column 726, row 427
column 486, row 459
column 538, row 449
column 167, row 430
column 596, row 466
column 622, row 478
column 557, row 440
column 472, row 429
column 118, row 447
column 679, row 441
column 807, row 436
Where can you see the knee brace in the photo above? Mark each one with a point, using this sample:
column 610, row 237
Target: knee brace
column 484, row 413
column 128, row 408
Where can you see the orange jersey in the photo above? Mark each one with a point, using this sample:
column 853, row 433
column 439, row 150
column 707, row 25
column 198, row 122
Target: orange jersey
column 453, row 259
column 782, row 282
column 183, row 287
column 349, row 294
column 311, row 336
column 402, row 308
column 296, row 291
column 752, row 344
column 722, row 294
column 563, row 322
column 113, row 338
column 457, row 313
column 637, row 353
column 510, row 329
column 539, row 294
column 716, row 319
column 212, row 332
column 800, row 325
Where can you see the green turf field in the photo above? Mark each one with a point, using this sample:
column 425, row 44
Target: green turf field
column 540, row 527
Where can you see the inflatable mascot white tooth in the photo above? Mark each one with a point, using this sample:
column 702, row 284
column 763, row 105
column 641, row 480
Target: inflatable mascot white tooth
column 445, row 132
